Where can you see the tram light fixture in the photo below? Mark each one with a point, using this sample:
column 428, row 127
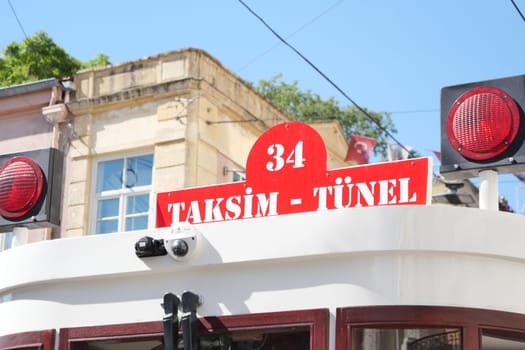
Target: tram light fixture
column 148, row 247
column 21, row 186
column 180, row 248
column 482, row 127
column 182, row 242
column 30, row 189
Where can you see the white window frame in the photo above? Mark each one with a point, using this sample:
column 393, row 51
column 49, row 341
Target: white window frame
column 3, row 240
column 240, row 174
column 122, row 194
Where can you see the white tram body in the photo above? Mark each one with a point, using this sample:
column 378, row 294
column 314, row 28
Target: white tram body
column 332, row 260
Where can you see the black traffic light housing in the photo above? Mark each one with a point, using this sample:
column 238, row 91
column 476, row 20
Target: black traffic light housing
column 45, row 212
column 455, row 165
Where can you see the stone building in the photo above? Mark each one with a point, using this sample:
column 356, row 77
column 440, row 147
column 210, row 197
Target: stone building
column 134, row 129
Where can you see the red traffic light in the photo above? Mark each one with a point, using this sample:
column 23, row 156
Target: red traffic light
column 483, row 123
column 21, row 186
column 482, row 127
column 31, row 189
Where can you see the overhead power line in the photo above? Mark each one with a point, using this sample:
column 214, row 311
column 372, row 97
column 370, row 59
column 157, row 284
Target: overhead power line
column 362, row 110
column 518, row 10
column 292, row 34
column 415, row 111
column 17, row 19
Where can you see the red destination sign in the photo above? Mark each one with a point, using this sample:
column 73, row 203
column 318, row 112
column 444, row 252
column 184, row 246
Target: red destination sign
column 286, row 173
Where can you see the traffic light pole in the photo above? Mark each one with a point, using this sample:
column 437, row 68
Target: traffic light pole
column 488, row 190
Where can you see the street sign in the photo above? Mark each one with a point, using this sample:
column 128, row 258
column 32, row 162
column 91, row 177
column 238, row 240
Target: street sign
column 286, row 173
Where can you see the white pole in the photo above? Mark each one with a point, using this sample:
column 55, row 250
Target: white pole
column 488, row 190
column 20, row 236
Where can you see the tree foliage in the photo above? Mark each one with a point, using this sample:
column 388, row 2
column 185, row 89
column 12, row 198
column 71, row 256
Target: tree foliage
column 98, row 61
column 38, row 57
column 310, row 107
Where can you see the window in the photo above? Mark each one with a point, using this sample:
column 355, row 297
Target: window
column 136, row 336
column 38, row 340
column 288, row 330
column 123, row 194
column 6, row 240
column 497, row 339
column 364, row 338
column 400, row 327
column 238, row 176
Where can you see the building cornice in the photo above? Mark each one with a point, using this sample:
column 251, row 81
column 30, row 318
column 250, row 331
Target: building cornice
column 156, row 91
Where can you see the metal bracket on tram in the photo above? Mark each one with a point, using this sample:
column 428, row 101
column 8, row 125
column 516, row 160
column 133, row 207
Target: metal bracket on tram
column 190, row 302
column 170, row 322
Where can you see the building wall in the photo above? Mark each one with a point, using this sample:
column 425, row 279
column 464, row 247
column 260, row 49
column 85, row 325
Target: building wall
column 196, row 117
column 23, row 125
column 26, row 123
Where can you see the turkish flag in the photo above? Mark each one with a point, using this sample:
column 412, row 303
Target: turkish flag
column 360, row 149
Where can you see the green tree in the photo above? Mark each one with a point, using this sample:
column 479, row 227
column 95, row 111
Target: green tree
column 38, row 57
column 307, row 106
column 98, row 61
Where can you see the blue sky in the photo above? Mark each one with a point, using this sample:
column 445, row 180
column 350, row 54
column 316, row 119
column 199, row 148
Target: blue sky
column 388, row 56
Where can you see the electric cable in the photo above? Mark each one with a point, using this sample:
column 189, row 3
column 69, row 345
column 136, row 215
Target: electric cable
column 361, row 109
column 413, row 111
column 256, row 58
column 17, row 19
column 518, row 10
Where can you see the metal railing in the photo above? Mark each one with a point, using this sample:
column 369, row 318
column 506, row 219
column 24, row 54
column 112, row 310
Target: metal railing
column 441, row 341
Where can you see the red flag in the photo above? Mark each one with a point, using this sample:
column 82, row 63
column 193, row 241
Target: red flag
column 360, row 149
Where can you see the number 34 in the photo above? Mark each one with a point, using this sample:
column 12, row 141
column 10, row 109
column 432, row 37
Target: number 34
column 277, row 151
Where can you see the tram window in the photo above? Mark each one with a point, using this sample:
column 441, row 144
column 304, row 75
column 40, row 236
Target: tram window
column 286, row 330
column 235, row 341
column 119, row 344
column 269, row 341
column 406, row 338
column 38, row 340
column 502, row 340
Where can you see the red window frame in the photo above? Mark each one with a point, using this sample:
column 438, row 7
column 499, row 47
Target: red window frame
column 472, row 322
column 42, row 340
column 316, row 321
column 142, row 330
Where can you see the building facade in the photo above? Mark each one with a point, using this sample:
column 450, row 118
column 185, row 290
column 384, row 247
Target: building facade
column 32, row 117
column 134, row 129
